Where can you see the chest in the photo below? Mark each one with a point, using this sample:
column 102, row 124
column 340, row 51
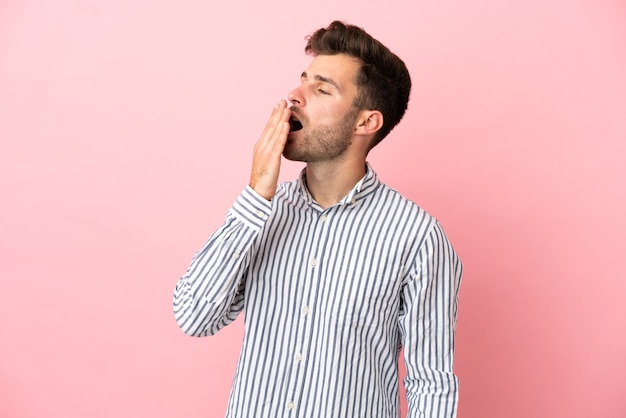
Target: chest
column 347, row 265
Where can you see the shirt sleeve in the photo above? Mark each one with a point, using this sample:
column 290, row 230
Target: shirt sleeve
column 210, row 294
column 427, row 328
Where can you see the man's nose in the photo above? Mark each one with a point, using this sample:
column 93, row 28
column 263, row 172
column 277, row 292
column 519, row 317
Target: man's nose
column 296, row 97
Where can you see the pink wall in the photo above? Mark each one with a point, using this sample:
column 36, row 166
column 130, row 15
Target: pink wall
column 126, row 131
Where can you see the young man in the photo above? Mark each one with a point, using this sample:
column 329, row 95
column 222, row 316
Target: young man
column 335, row 271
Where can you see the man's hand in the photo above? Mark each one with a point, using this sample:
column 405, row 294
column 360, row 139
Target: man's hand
column 268, row 151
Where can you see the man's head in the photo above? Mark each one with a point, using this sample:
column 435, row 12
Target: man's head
column 383, row 81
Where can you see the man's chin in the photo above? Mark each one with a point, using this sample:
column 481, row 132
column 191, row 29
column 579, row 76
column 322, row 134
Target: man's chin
column 292, row 155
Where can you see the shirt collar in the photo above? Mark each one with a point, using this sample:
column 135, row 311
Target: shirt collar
column 364, row 187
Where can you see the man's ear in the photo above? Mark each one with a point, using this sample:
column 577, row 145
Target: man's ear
column 369, row 122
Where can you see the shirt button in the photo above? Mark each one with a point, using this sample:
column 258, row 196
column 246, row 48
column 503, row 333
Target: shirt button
column 323, row 218
column 313, row 262
column 306, row 310
column 260, row 214
column 290, row 405
column 236, row 256
column 298, row 358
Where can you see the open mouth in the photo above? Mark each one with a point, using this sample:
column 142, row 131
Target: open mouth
column 294, row 124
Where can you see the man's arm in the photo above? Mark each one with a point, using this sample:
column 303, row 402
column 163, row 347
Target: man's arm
column 427, row 326
column 211, row 293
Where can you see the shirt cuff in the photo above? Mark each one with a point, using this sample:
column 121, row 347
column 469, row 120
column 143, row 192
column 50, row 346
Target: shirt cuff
column 252, row 208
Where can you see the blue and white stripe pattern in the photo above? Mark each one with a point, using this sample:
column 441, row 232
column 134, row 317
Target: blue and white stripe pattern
column 329, row 297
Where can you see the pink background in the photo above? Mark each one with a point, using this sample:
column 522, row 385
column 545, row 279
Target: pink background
column 127, row 129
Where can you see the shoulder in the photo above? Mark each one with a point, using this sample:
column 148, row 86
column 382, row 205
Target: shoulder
column 394, row 199
column 418, row 225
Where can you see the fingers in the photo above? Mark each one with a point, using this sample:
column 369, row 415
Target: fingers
column 275, row 133
column 268, row 151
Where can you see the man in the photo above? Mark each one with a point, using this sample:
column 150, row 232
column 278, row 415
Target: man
column 335, row 271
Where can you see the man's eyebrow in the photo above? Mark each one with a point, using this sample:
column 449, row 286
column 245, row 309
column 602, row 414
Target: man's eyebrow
column 322, row 79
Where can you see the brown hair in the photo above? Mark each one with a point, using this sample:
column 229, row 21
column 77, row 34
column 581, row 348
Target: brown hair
column 383, row 80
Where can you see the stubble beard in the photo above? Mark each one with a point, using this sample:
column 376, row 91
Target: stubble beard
column 322, row 143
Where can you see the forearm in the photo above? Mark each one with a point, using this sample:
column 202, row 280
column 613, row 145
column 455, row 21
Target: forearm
column 211, row 292
column 432, row 393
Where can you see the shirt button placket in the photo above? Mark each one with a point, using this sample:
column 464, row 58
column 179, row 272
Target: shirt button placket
column 299, row 355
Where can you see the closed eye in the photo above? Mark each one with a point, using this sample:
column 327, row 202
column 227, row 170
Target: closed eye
column 329, row 82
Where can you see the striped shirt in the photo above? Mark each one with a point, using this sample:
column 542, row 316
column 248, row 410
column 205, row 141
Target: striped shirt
column 329, row 298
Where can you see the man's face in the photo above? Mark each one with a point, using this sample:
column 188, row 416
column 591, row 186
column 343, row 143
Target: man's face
column 323, row 105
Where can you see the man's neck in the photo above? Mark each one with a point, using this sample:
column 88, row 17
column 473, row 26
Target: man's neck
column 329, row 182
